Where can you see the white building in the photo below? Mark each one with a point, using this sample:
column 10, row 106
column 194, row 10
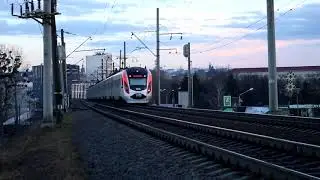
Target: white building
column 79, row 90
column 98, row 66
column 300, row 71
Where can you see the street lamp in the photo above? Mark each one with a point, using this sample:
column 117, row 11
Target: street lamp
column 173, row 98
column 243, row 94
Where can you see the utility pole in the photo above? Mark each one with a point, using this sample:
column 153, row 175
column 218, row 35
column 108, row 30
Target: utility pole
column 64, row 70
column 56, row 69
column 192, row 87
column 102, row 69
column 124, row 55
column 157, row 55
column 272, row 67
column 186, row 53
column 60, row 51
column 45, row 15
column 189, row 80
column 107, row 73
column 16, row 104
column 157, row 93
column 120, row 60
column 47, row 67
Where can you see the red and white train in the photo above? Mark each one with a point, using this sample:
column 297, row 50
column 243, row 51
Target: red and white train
column 132, row 85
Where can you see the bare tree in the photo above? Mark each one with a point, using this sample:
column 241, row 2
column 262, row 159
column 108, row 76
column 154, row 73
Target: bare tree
column 219, row 81
column 10, row 61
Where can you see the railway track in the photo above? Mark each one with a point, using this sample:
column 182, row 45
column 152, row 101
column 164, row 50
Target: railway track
column 261, row 155
column 282, row 129
column 288, row 121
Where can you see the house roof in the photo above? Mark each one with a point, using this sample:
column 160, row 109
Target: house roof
column 279, row 69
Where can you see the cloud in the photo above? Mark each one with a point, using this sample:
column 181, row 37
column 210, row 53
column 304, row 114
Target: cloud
column 254, row 53
column 205, row 24
column 300, row 23
column 81, row 28
column 80, row 7
column 85, row 7
column 4, row 6
column 86, row 28
column 14, row 29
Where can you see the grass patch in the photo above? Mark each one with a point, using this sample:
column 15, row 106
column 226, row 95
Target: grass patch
column 46, row 153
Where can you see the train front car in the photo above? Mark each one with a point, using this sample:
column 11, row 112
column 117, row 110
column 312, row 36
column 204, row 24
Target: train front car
column 137, row 85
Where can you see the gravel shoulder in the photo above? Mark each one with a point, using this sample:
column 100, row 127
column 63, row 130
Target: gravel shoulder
column 112, row 150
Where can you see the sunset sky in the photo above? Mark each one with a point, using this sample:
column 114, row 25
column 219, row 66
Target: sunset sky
column 228, row 32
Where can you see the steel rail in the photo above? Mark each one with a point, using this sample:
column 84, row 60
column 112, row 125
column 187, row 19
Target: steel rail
column 254, row 165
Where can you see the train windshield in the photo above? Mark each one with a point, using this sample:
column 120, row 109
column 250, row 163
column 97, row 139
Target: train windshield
column 138, row 81
column 137, row 78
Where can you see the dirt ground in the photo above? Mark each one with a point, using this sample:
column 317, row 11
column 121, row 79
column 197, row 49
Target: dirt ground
column 45, row 153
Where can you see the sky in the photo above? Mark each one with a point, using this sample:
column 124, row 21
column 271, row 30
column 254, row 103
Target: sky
column 223, row 33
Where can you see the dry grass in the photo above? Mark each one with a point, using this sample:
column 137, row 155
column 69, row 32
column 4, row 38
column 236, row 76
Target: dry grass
column 43, row 154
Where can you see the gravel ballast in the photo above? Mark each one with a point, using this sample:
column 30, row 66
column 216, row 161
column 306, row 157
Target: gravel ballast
column 112, row 150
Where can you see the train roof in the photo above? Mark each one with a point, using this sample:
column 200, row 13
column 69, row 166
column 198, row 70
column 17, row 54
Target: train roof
column 135, row 69
column 129, row 70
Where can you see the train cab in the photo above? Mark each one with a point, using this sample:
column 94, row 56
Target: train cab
column 137, row 84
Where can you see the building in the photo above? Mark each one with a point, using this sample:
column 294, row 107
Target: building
column 79, row 90
column 299, row 71
column 83, row 76
column 98, row 66
column 73, row 75
column 37, row 78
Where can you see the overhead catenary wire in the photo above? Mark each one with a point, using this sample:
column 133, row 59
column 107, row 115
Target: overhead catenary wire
column 78, row 46
column 107, row 19
column 247, row 34
column 246, row 27
column 96, row 31
column 226, row 38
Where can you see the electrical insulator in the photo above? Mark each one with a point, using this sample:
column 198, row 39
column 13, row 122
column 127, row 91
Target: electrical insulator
column 27, row 7
column 20, row 10
column 32, row 6
column 39, row 5
column 12, row 9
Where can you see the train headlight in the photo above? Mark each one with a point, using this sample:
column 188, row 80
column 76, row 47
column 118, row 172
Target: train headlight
column 149, row 87
column 126, row 87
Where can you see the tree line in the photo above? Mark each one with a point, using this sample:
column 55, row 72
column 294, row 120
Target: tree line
column 10, row 62
column 211, row 86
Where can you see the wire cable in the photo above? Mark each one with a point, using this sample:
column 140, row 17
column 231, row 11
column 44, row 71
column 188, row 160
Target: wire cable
column 246, row 35
column 225, row 38
column 104, row 24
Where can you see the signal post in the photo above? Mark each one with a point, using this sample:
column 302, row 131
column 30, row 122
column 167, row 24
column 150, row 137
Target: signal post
column 186, row 53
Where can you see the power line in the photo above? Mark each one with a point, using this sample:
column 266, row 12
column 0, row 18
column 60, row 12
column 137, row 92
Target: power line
column 246, row 35
column 104, row 24
column 79, row 46
column 241, row 37
column 225, row 38
column 145, row 46
column 96, row 31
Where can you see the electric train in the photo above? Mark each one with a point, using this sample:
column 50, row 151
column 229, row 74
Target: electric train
column 131, row 85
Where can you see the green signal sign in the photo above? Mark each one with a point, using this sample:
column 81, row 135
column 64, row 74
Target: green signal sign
column 227, row 101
